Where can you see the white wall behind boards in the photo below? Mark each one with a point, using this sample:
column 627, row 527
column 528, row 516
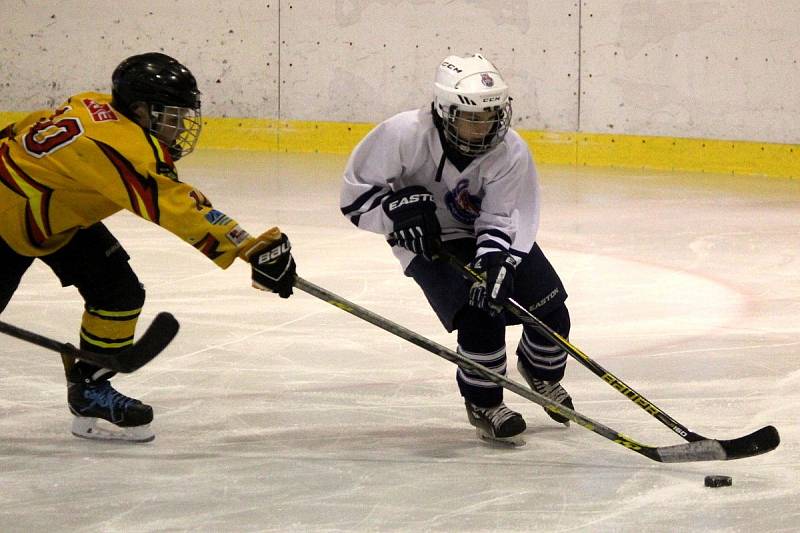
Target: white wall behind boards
column 51, row 50
column 364, row 60
column 725, row 69
column 715, row 68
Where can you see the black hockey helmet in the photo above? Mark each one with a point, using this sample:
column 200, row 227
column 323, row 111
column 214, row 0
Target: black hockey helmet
column 170, row 91
column 154, row 78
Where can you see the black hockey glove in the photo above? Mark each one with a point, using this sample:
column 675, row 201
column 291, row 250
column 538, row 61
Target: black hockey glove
column 416, row 228
column 497, row 272
column 272, row 264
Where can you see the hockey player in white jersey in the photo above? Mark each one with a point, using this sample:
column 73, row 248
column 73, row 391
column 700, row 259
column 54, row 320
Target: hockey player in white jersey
column 455, row 175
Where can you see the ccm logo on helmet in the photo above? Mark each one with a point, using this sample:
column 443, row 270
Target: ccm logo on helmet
column 410, row 199
column 452, row 67
column 272, row 255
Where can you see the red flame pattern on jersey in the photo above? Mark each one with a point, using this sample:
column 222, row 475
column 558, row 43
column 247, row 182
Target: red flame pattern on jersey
column 208, row 246
column 37, row 210
column 142, row 190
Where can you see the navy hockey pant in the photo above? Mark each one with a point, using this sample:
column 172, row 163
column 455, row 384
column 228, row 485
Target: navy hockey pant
column 481, row 337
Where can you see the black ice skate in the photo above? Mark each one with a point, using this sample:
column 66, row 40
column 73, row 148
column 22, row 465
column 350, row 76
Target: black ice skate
column 89, row 400
column 498, row 423
column 551, row 389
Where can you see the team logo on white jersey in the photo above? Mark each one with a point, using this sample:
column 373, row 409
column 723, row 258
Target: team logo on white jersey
column 462, row 205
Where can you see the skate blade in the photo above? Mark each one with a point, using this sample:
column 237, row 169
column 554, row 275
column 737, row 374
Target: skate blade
column 507, row 442
column 88, row 428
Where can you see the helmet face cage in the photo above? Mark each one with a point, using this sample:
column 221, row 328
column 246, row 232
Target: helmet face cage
column 474, row 132
column 169, row 90
column 178, row 127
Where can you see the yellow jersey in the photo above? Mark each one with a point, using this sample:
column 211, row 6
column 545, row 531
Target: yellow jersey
column 68, row 168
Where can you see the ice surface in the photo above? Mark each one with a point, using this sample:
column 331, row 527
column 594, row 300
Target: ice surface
column 291, row 415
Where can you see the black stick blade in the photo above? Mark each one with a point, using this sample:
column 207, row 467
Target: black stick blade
column 761, row 441
column 158, row 335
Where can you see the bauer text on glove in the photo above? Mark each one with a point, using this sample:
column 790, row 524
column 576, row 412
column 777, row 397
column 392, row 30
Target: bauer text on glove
column 272, row 265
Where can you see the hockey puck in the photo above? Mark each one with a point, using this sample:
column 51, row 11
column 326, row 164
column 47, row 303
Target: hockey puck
column 719, row 481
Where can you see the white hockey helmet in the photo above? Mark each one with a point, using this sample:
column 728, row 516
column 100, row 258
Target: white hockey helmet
column 472, row 99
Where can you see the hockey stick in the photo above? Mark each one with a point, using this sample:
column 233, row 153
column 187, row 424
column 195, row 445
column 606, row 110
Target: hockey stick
column 701, row 450
column 158, row 335
column 758, row 442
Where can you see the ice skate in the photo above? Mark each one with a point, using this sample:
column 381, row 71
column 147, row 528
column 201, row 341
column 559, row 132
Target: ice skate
column 102, row 413
column 551, row 389
column 497, row 424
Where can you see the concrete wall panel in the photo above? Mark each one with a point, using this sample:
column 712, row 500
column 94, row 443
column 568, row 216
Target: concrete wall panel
column 363, row 60
column 725, row 69
column 713, row 69
column 55, row 49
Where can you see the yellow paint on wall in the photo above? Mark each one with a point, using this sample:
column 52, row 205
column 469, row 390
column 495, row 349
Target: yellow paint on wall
column 324, row 137
column 691, row 155
column 284, row 136
column 548, row 147
column 239, row 134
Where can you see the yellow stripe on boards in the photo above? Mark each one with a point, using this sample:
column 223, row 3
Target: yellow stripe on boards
column 323, row 137
column 548, row 147
column 239, row 134
column 552, row 148
column 690, row 155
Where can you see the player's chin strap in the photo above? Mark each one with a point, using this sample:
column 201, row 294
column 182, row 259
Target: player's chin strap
column 527, row 318
column 761, row 441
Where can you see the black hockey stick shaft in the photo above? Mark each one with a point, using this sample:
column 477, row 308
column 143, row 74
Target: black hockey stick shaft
column 705, row 450
column 157, row 337
column 526, row 317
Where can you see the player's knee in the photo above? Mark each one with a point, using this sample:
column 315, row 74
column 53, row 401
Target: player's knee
column 479, row 332
column 124, row 292
column 125, row 297
column 134, row 296
column 558, row 320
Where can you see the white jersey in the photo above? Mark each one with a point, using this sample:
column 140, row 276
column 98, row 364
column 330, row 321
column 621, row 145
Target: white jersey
column 496, row 199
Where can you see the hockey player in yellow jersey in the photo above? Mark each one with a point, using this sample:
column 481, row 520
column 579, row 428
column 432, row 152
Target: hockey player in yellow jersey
column 63, row 170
